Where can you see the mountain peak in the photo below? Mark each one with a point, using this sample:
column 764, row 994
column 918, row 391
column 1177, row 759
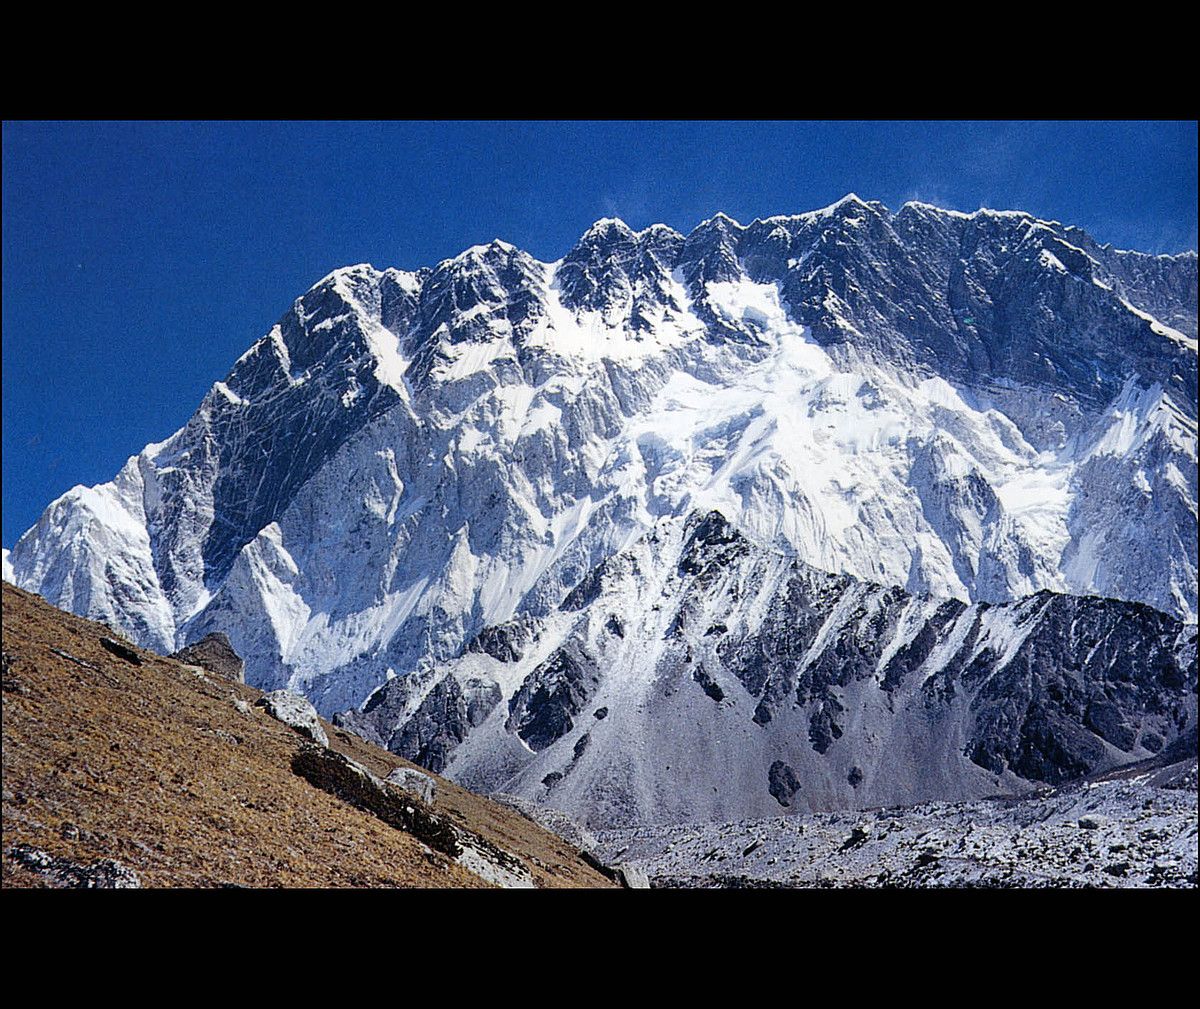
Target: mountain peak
column 605, row 228
column 850, row 199
column 345, row 273
column 720, row 221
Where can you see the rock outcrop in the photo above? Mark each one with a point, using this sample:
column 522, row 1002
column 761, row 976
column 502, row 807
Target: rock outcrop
column 214, row 653
column 102, row 874
column 351, row 782
column 296, row 712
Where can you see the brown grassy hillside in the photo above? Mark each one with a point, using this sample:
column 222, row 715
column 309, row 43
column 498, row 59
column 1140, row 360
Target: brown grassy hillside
column 158, row 768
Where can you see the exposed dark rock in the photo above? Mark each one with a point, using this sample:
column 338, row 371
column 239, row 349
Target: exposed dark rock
column 708, row 684
column 823, row 728
column 600, row 713
column 428, row 735
column 1104, row 718
column 970, row 298
column 782, row 782
column 586, row 591
column 349, row 781
column 435, row 728
column 481, row 697
column 543, row 710
column 506, row 642
column 1043, row 688
column 215, row 653
column 910, row 656
column 858, row 837
column 612, row 269
column 121, row 650
column 1183, row 747
column 713, row 544
column 1088, row 668
column 769, row 661
column 282, row 434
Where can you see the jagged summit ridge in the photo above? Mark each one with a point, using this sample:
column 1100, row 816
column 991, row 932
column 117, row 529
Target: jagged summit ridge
column 975, row 406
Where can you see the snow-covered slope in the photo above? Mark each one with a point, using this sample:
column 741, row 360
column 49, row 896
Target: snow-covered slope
column 971, row 406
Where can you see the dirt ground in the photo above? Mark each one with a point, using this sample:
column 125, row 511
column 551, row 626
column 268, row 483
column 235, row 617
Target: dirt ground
column 158, row 768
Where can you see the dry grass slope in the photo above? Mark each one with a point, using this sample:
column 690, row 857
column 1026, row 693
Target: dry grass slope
column 165, row 772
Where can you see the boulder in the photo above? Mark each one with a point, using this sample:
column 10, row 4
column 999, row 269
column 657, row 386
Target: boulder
column 414, row 782
column 214, row 653
column 295, row 711
column 782, row 782
column 631, row 877
column 858, row 837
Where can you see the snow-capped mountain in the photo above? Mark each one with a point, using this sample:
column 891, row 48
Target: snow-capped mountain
column 973, row 407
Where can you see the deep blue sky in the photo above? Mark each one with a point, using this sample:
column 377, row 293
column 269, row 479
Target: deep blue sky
column 140, row 260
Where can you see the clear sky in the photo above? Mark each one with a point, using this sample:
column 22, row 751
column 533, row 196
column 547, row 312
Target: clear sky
column 141, row 259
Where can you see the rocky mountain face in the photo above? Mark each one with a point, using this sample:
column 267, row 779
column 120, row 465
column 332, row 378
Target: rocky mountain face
column 934, row 410
column 697, row 676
